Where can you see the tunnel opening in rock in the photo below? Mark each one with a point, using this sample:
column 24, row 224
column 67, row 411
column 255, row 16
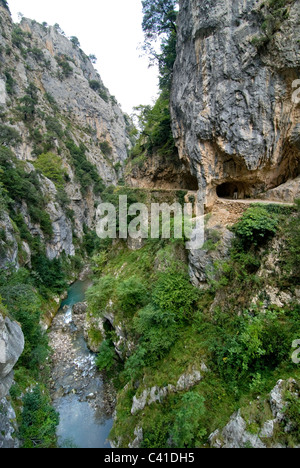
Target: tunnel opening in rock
column 235, row 190
column 190, row 182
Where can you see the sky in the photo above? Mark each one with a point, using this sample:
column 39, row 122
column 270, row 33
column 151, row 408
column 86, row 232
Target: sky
column 109, row 29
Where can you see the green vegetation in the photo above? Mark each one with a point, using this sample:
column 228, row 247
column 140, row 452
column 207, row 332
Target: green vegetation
column 54, row 127
column 155, row 122
column 187, row 420
column 20, row 185
column 93, row 58
column 10, row 82
column 131, row 295
column 95, row 85
column 106, row 148
column 291, row 254
column 37, row 54
column 156, row 133
column 273, row 14
column 9, row 136
column 25, row 307
column 256, row 226
column 75, row 41
column 24, row 299
column 19, row 37
column 106, row 356
column 51, row 275
column 28, row 103
column 66, row 69
column 246, row 344
column 38, row 421
column 100, row 89
column 50, row 165
column 85, row 171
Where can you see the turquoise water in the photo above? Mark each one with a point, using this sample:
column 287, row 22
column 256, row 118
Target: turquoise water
column 76, row 293
column 82, row 424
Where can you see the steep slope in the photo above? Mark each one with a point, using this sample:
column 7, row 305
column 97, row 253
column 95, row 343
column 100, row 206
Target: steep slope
column 63, row 139
column 210, row 365
column 11, row 347
column 234, row 116
column 54, row 103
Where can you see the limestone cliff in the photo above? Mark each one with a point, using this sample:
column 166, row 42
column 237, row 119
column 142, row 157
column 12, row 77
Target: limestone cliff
column 160, row 171
column 11, row 347
column 51, row 95
column 234, row 118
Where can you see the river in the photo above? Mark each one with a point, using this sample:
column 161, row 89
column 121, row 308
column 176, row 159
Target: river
column 79, row 392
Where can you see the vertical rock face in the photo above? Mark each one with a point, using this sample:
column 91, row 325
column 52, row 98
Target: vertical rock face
column 71, row 103
column 8, row 243
column 234, row 118
column 75, row 95
column 11, row 347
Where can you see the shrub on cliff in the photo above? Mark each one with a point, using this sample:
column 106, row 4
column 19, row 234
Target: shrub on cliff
column 131, row 295
column 99, row 294
column 95, row 85
column 256, row 226
column 174, row 294
column 187, row 420
column 291, row 253
column 86, row 173
column 9, row 136
column 24, row 306
column 38, row 421
column 51, row 167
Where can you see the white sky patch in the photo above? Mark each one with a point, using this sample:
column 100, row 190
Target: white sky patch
column 110, row 29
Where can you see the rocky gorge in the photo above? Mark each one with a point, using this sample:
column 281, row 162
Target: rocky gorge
column 11, row 348
column 162, row 346
column 84, row 399
column 62, row 73
column 234, row 118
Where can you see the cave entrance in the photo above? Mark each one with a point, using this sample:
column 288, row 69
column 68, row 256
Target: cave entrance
column 232, row 190
column 108, row 328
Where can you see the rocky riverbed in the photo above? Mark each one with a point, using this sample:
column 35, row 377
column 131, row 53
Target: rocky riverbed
column 84, row 399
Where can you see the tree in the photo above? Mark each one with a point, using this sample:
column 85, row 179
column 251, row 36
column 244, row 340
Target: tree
column 131, row 294
column 9, row 136
column 187, row 420
column 159, row 22
column 95, row 85
column 107, row 356
column 93, row 58
column 25, row 307
column 38, row 420
column 29, row 102
column 159, row 18
column 4, row 4
column 58, row 29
